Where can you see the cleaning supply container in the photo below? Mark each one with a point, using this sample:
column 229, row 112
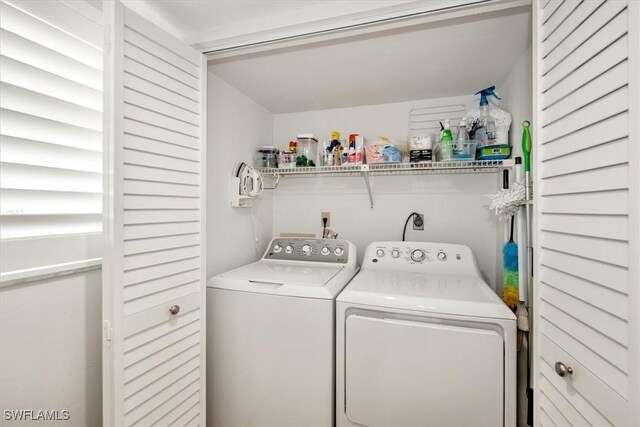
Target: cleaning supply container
column 266, row 157
column 446, row 143
column 382, row 151
column 287, row 160
column 493, row 134
column 307, row 150
column 463, row 150
column 421, row 149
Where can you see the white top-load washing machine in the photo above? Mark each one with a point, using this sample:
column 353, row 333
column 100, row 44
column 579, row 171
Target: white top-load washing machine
column 422, row 340
column 271, row 335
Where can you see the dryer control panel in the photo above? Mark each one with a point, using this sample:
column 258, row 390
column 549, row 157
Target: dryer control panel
column 420, row 256
column 303, row 249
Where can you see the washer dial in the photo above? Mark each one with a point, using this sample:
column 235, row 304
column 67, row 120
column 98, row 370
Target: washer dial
column 338, row 251
column 417, row 255
column 307, row 250
column 325, row 251
column 288, row 249
column 441, row 256
column 277, row 248
column 380, row 253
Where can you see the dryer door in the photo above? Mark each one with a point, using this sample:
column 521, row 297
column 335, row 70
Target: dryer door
column 414, row 373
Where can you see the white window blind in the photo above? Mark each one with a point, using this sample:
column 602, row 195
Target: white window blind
column 50, row 118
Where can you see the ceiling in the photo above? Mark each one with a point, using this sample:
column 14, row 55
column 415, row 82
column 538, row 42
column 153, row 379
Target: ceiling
column 197, row 21
column 445, row 58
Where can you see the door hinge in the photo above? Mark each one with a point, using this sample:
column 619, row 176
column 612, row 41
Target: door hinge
column 107, row 333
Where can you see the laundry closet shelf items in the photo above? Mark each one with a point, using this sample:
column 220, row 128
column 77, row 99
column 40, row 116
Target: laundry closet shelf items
column 449, row 167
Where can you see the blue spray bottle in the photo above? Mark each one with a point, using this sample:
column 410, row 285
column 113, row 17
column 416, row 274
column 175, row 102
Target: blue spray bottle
column 486, row 134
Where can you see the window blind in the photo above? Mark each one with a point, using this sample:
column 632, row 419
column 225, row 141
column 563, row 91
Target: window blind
column 50, row 118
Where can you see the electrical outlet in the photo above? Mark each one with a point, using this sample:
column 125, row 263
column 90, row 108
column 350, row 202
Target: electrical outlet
column 418, row 222
column 324, row 215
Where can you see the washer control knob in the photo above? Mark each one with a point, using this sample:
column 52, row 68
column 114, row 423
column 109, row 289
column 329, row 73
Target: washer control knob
column 277, row 248
column 325, row 251
column 395, row 253
column 441, row 256
column 338, row 251
column 288, row 249
column 417, row 255
column 380, row 253
column 307, row 250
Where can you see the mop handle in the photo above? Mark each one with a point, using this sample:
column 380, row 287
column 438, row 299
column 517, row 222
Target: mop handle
column 522, row 241
column 528, row 185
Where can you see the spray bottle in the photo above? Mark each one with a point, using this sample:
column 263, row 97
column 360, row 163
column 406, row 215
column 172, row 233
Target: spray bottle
column 446, row 141
column 486, row 135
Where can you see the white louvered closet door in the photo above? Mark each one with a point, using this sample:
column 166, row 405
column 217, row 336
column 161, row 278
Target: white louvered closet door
column 154, row 276
column 587, row 295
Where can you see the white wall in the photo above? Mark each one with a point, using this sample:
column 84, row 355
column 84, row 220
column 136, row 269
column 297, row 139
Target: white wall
column 50, row 330
column 237, row 127
column 391, row 120
column 455, row 209
column 516, row 94
column 51, row 343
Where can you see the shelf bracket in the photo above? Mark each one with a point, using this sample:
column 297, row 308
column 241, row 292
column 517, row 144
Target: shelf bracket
column 275, row 186
column 365, row 174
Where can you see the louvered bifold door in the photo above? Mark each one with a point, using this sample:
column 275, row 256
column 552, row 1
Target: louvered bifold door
column 587, row 290
column 154, row 277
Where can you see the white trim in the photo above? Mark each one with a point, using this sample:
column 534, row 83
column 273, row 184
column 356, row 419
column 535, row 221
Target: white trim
column 203, row 240
column 349, row 25
column 12, row 278
column 534, row 353
column 634, row 212
column 112, row 315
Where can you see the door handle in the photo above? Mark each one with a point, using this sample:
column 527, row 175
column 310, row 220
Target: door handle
column 563, row 370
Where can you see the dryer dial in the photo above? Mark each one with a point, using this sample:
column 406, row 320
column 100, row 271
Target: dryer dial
column 288, row 249
column 307, row 250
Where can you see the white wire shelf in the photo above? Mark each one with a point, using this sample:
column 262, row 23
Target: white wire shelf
column 449, row 167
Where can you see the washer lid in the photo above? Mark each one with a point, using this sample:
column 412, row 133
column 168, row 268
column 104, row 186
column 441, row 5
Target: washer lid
column 301, row 279
column 465, row 295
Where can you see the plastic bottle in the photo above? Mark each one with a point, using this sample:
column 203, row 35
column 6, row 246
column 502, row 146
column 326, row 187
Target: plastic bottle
column 445, row 142
column 461, row 148
column 487, row 134
column 463, row 133
column 352, row 154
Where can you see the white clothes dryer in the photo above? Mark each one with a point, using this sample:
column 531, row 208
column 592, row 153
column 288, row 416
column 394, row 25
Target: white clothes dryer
column 271, row 335
column 422, row 340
